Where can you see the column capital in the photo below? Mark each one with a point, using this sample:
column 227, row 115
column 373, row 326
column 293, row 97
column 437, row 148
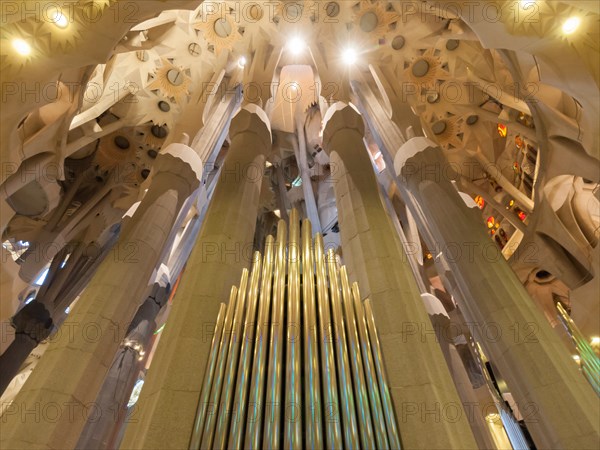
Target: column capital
column 180, row 159
column 409, row 149
column 340, row 116
column 252, row 119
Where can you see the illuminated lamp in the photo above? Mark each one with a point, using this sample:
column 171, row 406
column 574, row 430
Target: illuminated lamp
column 571, row 24
column 502, row 130
column 480, row 201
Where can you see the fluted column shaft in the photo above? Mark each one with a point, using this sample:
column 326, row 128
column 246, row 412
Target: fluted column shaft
column 559, row 406
column 421, row 385
column 51, row 409
column 169, row 400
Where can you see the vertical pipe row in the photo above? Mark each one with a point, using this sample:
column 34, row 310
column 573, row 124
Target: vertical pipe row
column 371, row 374
column 259, row 363
column 365, row 424
column 331, row 404
column 272, row 427
column 388, row 407
column 312, row 399
column 208, row 378
column 208, row 431
column 232, row 364
column 292, row 432
column 247, row 337
column 350, row 429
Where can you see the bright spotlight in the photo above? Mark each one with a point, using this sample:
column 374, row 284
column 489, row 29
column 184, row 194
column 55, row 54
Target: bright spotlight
column 22, row 47
column 571, row 24
column 242, row 62
column 349, row 56
column 296, row 45
column 59, row 19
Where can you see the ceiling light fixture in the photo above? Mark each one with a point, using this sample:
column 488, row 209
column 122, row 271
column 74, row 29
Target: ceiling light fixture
column 296, row 45
column 571, row 24
column 22, row 47
column 350, row 56
column 242, row 62
column 59, row 19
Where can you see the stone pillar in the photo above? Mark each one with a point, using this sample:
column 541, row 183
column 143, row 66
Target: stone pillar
column 58, row 394
column 128, row 362
column 32, row 324
column 169, row 399
column 421, row 385
column 559, row 407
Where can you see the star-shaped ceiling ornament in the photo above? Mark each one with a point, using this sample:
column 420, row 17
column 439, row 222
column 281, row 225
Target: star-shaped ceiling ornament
column 171, row 81
column 425, row 71
column 372, row 21
column 219, row 29
column 447, row 131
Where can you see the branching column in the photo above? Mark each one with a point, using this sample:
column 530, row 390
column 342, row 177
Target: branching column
column 558, row 405
column 51, row 409
column 427, row 406
column 169, row 400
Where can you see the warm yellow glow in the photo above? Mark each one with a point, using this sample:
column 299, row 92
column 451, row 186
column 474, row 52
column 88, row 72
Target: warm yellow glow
column 242, row 62
column 277, row 213
column 268, row 164
column 59, row 19
column 576, row 358
column 22, row 47
column 595, row 340
column 571, row 25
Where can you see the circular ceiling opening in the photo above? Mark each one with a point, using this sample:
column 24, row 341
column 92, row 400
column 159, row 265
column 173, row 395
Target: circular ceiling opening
column 152, row 153
column 175, row 77
column 122, row 142
column 433, row 97
column 332, row 9
column 398, row 42
column 452, row 44
column 159, row 132
column 255, row 11
column 420, row 68
column 439, row 127
column 292, row 11
column 164, row 106
column 368, row 22
column 472, row 120
column 222, row 27
column 194, row 49
column 145, row 173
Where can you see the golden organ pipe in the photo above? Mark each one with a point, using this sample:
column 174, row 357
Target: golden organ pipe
column 318, row 335
column 247, row 343
column 232, row 364
column 208, row 377
column 371, row 375
column 215, row 391
column 331, row 404
column 386, row 398
column 350, row 429
column 257, row 386
column 292, row 426
column 272, row 409
column 312, row 400
column 365, row 424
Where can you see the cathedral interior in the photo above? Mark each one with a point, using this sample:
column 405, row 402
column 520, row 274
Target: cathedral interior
column 300, row 224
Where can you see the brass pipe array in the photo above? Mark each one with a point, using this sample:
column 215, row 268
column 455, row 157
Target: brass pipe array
column 295, row 361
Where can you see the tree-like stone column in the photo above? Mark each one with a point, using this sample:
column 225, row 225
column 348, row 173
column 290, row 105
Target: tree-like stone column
column 559, row 407
column 51, row 409
column 428, row 408
column 169, row 399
